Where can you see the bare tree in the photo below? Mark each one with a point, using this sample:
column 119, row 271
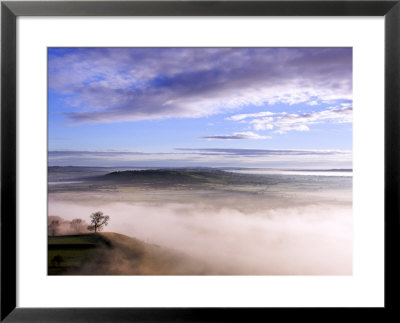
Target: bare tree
column 77, row 225
column 53, row 227
column 98, row 221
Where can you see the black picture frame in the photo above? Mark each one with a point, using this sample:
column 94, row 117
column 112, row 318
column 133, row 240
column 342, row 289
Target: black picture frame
column 10, row 10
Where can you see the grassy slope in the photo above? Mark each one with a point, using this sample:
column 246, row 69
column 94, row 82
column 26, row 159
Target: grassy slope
column 116, row 254
column 184, row 177
column 74, row 250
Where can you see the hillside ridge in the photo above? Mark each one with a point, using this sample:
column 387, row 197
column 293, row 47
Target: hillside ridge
column 110, row 253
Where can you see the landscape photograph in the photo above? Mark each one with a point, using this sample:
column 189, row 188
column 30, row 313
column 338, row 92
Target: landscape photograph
column 200, row 161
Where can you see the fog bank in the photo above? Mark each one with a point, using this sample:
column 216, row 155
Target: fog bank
column 312, row 239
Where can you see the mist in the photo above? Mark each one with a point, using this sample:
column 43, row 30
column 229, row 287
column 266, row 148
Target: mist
column 303, row 234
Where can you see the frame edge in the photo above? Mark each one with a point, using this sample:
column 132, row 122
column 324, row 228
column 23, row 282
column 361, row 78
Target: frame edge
column 8, row 309
column 8, row 161
column 392, row 153
column 203, row 8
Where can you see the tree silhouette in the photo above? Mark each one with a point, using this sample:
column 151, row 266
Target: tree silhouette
column 53, row 227
column 98, row 221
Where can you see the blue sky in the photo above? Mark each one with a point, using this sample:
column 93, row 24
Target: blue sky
column 244, row 107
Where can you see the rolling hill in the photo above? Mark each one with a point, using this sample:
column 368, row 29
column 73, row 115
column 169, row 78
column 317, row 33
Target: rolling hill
column 183, row 177
column 116, row 254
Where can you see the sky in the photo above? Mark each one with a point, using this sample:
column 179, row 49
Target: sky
column 211, row 107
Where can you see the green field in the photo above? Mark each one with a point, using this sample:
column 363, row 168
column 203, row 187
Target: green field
column 68, row 254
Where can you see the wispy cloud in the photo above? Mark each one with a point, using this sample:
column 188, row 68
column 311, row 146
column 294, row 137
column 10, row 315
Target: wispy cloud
column 315, row 102
column 236, row 135
column 99, row 153
column 283, row 122
column 199, row 151
column 127, row 84
column 183, row 157
column 263, row 152
column 239, row 117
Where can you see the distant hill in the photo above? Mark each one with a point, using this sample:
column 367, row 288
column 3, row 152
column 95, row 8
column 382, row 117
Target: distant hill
column 183, row 177
column 68, row 173
column 116, row 254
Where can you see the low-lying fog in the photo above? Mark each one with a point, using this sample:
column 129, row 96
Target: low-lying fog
column 288, row 233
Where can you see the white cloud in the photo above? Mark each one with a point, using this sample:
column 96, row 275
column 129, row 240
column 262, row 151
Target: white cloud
column 239, row 117
column 314, row 102
column 236, row 135
column 292, row 127
column 128, row 84
column 300, row 122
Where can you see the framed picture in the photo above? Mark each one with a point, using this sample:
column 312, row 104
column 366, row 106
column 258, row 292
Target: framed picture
column 192, row 160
